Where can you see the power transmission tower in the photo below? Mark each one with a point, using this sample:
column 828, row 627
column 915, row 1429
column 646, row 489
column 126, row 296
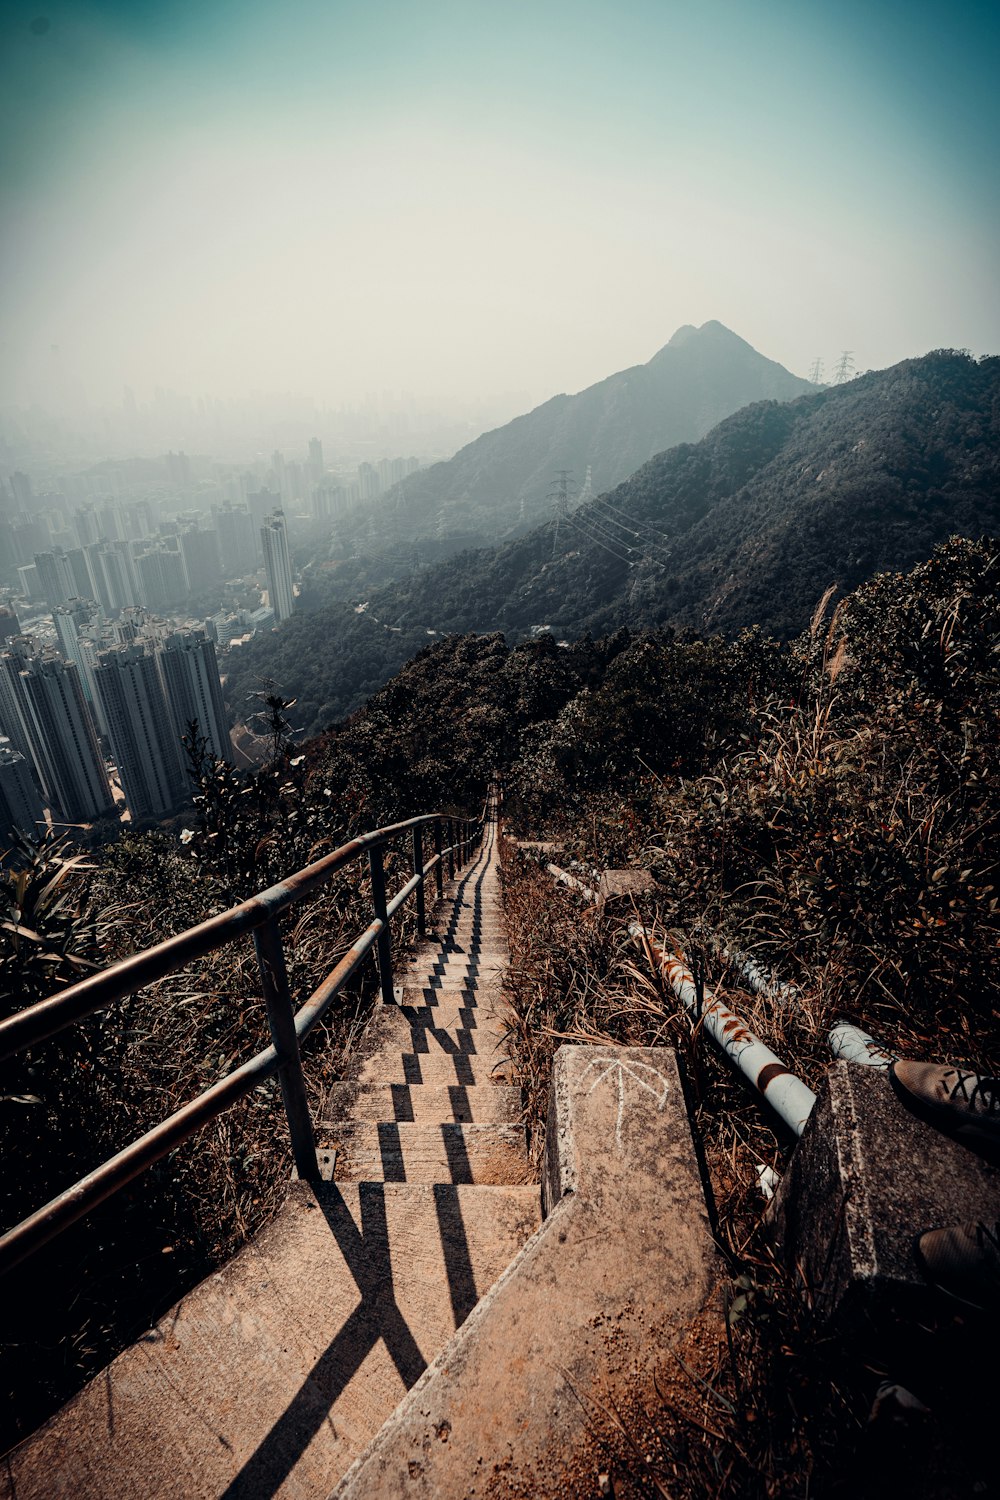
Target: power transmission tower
column 816, row 373
column 559, row 495
column 845, row 367
column 587, row 492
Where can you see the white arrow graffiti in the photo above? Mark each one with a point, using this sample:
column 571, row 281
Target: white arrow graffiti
column 613, row 1066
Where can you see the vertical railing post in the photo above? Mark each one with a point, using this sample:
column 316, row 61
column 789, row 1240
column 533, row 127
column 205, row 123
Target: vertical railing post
column 418, row 869
column 451, row 848
column 281, row 1019
column 438, row 872
column 382, row 943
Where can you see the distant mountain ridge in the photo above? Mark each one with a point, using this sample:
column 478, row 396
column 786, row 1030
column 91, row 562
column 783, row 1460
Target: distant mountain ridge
column 748, row 526
column 501, row 482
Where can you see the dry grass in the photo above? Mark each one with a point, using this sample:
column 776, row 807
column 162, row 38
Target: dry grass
column 783, row 1408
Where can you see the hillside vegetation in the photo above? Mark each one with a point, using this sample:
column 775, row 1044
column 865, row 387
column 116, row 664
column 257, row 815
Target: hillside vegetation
column 831, row 804
column 501, row 482
column 747, row 527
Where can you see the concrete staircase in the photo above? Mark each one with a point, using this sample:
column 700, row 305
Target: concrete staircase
column 272, row 1376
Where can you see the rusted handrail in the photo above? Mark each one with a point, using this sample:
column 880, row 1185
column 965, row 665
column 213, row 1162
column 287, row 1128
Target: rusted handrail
column 289, row 1028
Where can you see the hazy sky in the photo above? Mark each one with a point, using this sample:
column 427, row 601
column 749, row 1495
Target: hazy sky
column 455, row 197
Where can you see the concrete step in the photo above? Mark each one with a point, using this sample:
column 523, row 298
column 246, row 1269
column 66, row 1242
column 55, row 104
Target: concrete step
column 436, row 1069
column 274, row 1374
column 447, row 960
column 460, row 946
column 482, row 1039
column 423, row 1104
column 370, row 1151
column 452, row 1029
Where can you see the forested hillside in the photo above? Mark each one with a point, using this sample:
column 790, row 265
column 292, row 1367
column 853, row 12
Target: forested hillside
column 502, row 481
column 830, row 803
column 748, row 526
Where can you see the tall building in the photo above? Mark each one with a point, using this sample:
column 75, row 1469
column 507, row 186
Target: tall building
column 190, row 675
column 83, row 582
column 15, row 722
column 141, row 730
column 74, row 622
column 369, row 484
column 20, row 805
column 315, row 460
column 161, row 577
column 55, row 577
column 8, row 624
column 69, row 762
column 86, row 525
column 112, row 567
column 200, row 550
column 237, row 547
column 277, row 563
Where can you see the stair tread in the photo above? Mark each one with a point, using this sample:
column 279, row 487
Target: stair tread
column 188, row 1410
column 468, row 1068
column 390, row 1151
column 422, row 1103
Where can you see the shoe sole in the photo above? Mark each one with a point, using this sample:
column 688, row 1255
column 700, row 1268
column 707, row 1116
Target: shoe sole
column 939, row 1286
column 966, row 1132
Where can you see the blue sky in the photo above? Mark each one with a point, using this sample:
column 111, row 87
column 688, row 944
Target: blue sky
column 456, row 198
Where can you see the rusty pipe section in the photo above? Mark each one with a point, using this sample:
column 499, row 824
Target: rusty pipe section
column 854, row 1045
column 48, row 1017
column 790, row 1098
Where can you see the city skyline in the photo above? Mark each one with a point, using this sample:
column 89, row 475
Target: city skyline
column 225, row 199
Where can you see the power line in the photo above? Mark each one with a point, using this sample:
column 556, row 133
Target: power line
column 597, row 541
column 636, row 521
column 646, row 542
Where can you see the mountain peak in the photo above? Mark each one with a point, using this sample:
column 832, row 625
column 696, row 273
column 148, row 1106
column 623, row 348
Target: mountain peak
column 713, row 329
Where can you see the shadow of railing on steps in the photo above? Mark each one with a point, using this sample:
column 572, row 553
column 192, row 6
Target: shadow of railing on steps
column 455, row 841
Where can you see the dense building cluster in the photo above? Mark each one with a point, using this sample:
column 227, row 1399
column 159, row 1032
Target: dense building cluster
column 100, row 722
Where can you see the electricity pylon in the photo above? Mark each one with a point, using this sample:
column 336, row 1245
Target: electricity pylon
column 845, row 367
column 559, row 495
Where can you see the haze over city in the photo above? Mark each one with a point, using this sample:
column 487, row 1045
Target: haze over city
column 460, row 201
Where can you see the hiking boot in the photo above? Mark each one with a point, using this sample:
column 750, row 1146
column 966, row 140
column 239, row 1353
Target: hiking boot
column 964, row 1261
column 956, row 1100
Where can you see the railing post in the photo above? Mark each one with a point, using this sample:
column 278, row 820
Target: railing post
column 281, row 1019
column 382, row 944
column 451, row 848
column 438, row 872
column 418, row 869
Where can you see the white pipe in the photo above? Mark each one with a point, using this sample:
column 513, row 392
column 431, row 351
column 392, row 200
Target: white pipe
column 577, row 885
column 761, row 980
column 854, row 1045
column 767, row 1180
column 787, row 1095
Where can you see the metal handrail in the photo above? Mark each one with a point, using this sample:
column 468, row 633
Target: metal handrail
column 289, row 1028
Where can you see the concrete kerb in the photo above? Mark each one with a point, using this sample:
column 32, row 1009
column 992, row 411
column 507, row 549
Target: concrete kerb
column 865, row 1180
column 620, row 1271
